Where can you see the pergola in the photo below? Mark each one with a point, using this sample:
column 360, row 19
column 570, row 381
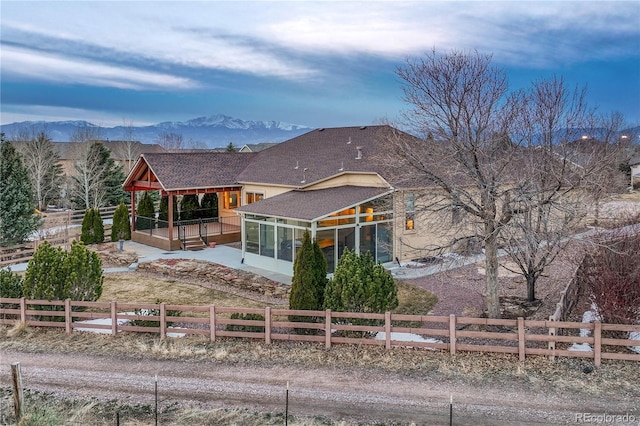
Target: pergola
column 175, row 174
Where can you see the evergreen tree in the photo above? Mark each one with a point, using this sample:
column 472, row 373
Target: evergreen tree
column 92, row 227
column 145, row 213
column 10, row 284
column 83, row 274
column 53, row 274
column 360, row 285
column 309, row 280
column 17, row 218
column 163, row 214
column 209, row 205
column 121, row 229
column 45, row 271
column 189, row 207
column 231, row 147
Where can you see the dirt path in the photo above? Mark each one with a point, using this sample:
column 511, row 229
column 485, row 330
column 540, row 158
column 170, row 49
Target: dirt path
column 355, row 395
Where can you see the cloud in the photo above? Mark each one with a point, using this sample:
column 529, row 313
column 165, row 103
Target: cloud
column 33, row 64
column 20, row 113
column 286, row 39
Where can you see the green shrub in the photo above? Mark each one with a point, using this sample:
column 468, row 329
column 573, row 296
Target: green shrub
column 121, row 229
column 55, row 274
column 92, row 227
column 360, row 285
column 163, row 214
column 247, row 328
column 145, row 213
column 209, row 206
column 10, row 284
column 189, row 207
column 308, row 281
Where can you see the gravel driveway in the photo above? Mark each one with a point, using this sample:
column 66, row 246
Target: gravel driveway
column 361, row 394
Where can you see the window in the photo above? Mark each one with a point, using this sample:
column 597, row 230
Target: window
column 409, row 210
column 252, row 197
column 230, row 200
column 252, row 237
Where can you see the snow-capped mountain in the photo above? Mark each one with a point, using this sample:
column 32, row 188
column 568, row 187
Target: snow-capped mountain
column 202, row 132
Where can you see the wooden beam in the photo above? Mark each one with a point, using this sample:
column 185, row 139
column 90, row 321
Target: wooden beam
column 200, row 191
column 142, row 185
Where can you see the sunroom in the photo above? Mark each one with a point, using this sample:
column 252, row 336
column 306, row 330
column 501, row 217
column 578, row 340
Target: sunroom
column 354, row 217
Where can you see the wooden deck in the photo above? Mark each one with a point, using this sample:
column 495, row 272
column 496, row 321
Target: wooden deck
column 226, row 230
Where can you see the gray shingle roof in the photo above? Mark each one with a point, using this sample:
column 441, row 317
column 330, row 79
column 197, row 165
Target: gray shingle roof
column 312, row 204
column 203, row 170
column 318, row 155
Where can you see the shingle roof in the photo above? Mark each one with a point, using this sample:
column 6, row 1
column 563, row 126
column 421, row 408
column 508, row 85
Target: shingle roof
column 312, row 204
column 189, row 171
column 318, row 155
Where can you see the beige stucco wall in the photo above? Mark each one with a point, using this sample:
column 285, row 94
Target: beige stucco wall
column 354, row 179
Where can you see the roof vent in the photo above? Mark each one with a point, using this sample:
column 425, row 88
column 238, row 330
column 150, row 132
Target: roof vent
column 304, row 178
column 349, row 141
column 341, row 169
column 296, row 167
column 363, row 127
column 359, row 148
column 321, row 129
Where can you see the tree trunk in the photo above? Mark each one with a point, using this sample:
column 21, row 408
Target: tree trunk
column 491, row 277
column 531, row 289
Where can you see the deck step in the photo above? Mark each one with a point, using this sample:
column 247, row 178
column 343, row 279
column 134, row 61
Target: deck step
column 193, row 243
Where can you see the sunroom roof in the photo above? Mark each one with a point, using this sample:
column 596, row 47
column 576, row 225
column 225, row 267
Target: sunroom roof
column 310, row 205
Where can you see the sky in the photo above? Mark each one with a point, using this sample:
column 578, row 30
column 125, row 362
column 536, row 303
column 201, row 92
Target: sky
column 317, row 64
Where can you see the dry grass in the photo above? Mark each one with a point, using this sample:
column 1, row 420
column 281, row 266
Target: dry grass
column 564, row 374
column 134, row 287
column 414, row 300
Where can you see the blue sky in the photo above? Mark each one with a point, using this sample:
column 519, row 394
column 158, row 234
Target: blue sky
column 319, row 64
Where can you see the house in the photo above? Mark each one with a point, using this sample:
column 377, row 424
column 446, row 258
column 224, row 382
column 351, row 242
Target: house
column 332, row 182
column 256, row 147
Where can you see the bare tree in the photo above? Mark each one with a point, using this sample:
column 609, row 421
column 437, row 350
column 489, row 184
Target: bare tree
column 170, row 141
column 481, row 152
column 88, row 189
column 42, row 163
column 128, row 149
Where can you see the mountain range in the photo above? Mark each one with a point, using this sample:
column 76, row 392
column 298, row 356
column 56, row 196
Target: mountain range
column 202, row 132
column 219, row 130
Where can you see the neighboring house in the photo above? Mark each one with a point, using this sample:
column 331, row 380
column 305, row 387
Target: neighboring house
column 634, row 163
column 332, row 182
column 126, row 153
column 257, row 147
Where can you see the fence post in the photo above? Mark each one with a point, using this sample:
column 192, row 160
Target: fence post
column 212, row 323
column 452, row 334
column 114, row 318
column 67, row 315
column 163, row 320
column 552, row 343
column 597, row 343
column 521, row 339
column 23, row 310
column 267, row 325
column 18, row 392
column 387, row 330
column 327, row 328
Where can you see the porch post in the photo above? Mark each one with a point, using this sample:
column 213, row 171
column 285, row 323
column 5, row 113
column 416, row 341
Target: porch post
column 133, row 210
column 170, row 218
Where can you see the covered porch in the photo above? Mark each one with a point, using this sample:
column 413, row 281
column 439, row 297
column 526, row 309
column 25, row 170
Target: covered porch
column 170, row 176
